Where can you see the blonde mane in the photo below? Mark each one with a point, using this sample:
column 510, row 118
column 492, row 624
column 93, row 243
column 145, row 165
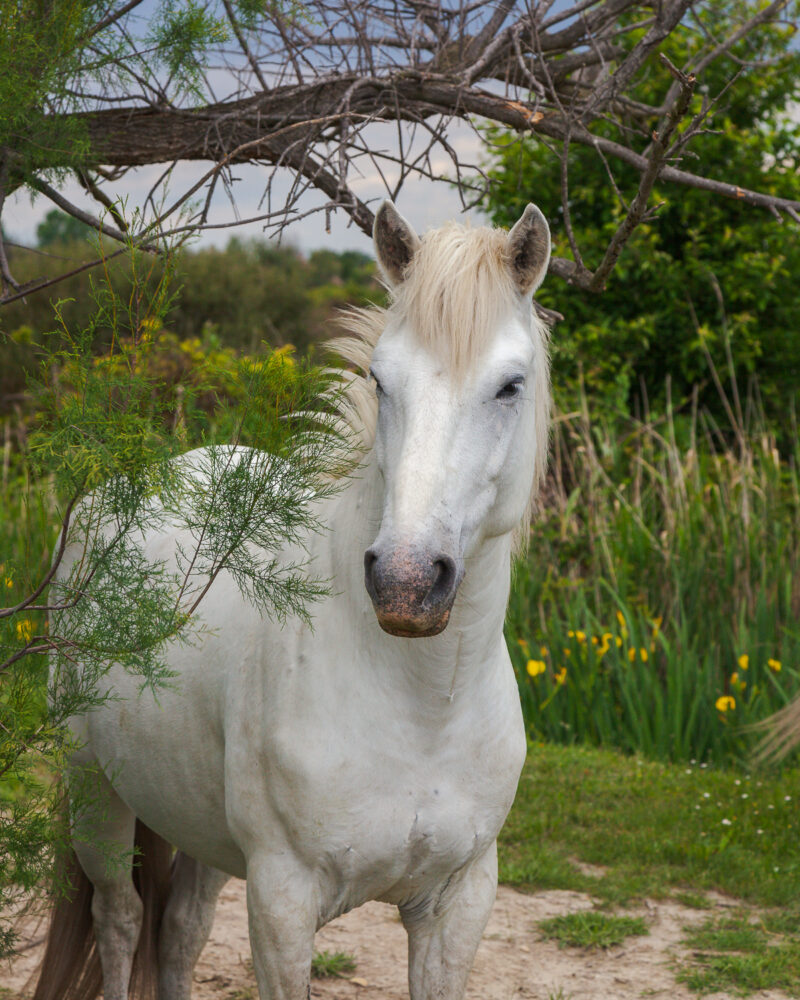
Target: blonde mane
column 456, row 293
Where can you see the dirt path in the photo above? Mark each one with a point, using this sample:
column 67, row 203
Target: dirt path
column 513, row 961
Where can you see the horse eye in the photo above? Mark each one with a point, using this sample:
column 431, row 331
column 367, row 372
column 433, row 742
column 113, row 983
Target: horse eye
column 510, row 389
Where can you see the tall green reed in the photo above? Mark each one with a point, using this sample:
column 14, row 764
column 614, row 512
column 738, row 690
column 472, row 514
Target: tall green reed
column 657, row 608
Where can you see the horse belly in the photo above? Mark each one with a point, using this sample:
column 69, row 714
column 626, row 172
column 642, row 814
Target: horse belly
column 164, row 755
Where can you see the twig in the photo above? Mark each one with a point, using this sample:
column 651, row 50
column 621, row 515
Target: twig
column 659, row 151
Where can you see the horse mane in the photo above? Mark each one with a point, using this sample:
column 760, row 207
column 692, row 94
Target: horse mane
column 456, row 293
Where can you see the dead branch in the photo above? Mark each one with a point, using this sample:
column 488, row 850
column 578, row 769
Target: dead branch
column 305, row 89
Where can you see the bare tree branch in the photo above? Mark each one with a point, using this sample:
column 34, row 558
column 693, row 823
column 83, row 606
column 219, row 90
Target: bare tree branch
column 300, row 93
column 659, row 152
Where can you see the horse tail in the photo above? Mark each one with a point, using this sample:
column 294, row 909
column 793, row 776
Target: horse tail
column 782, row 733
column 151, row 876
column 71, row 965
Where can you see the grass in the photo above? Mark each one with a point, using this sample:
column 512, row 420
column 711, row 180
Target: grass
column 743, row 956
column 657, row 536
column 693, row 900
column 591, row 929
column 655, row 828
column 326, row 964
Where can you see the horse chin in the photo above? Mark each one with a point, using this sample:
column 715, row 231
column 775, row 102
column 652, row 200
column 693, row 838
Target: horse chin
column 410, row 628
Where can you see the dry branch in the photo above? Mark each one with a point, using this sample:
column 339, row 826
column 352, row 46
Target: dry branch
column 305, row 90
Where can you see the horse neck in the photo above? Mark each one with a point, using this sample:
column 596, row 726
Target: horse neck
column 460, row 657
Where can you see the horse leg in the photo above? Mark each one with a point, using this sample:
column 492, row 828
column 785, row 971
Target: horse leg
column 444, row 931
column 282, row 911
column 186, row 924
column 103, row 839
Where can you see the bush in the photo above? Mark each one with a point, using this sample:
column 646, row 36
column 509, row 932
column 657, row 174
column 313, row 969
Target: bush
column 706, row 276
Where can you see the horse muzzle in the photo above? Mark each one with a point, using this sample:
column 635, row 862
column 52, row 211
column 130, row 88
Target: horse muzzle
column 412, row 592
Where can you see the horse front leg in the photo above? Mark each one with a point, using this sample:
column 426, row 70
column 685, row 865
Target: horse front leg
column 282, row 912
column 445, row 931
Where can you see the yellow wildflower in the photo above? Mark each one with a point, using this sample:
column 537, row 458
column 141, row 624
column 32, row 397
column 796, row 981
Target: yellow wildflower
column 561, row 676
column 725, row 703
column 543, row 651
column 643, row 655
column 734, row 678
column 595, row 640
column 744, row 661
column 523, row 645
column 774, row 665
column 618, row 641
column 621, row 619
column 9, row 582
column 657, row 625
column 567, row 652
column 535, row 667
column 631, row 654
column 24, row 630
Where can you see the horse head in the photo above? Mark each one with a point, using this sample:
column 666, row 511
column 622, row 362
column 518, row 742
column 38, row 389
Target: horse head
column 461, row 376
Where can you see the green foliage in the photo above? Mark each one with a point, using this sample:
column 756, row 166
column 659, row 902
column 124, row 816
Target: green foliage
column 180, row 34
column 325, row 964
column 238, row 297
column 707, row 275
column 653, row 828
column 39, row 54
column 657, row 609
column 99, row 460
column 743, row 954
column 590, row 929
column 58, row 227
column 52, row 52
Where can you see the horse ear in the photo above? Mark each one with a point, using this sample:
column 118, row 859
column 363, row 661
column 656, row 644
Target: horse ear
column 528, row 250
column 395, row 243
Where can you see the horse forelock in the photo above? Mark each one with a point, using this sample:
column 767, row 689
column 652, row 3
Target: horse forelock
column 457, row 293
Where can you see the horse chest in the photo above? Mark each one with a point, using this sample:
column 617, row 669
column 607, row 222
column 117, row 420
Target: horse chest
column 388, row 827
column 404, row 848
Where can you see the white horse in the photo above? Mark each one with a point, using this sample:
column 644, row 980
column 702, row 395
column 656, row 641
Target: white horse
column 377, row 755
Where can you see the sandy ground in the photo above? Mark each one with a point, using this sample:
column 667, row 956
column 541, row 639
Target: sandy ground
column 513, row 961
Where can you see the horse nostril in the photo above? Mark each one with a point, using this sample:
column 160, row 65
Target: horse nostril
column 370, row 558
column 445, row 569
